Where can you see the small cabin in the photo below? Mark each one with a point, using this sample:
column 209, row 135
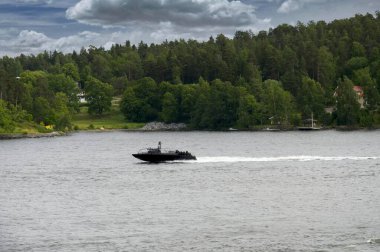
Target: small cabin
column 82, row 97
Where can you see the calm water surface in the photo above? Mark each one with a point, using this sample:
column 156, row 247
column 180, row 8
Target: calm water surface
column 262, row 191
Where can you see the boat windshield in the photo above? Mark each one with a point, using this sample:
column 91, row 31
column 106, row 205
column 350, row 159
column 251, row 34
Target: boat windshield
column 154, row 150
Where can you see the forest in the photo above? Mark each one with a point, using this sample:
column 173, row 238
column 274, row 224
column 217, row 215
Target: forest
column 277, row 77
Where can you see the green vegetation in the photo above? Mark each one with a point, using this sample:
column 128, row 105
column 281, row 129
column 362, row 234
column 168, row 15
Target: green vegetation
column 280, row 76
column 98, row 96
column 15, row 120
column 113, row 119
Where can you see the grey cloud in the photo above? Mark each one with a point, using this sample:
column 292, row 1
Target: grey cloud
column 157, row 20
column 52, row 3
column 186, row 13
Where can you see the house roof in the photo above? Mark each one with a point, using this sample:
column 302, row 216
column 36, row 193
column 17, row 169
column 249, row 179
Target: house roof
column 359, row 90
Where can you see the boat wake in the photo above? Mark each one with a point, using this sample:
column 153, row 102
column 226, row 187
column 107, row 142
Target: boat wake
column 374, row 241
column 226, row 159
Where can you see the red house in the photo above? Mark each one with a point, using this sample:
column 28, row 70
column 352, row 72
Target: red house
column 360, row 95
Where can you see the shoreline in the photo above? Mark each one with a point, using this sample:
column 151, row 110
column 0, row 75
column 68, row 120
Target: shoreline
column 11, row 136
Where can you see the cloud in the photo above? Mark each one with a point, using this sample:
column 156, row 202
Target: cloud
column 293, row 5
column 289, row 6
column 36, row 1
column 115, row 21
column 53, row 3
column 159, row 20
column 32, row 42
column 185, row 13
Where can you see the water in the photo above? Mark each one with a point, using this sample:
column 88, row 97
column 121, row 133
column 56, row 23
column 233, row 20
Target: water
column 248, row 191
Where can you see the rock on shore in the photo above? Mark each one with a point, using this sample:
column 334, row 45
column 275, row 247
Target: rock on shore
column 152, row 126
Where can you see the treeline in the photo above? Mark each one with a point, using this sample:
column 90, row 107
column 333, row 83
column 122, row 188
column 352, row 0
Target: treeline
column 48, row 99
column 221, row 105
column 222, row 82
column 215, row 105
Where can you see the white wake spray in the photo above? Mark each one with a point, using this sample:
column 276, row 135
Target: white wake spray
column 226, row 159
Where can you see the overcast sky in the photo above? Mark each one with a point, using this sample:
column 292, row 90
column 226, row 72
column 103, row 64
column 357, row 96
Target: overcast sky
column 32, row 26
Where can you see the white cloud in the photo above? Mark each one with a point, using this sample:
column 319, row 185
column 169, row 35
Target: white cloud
column 32, row 42
column 31, row 39
column 289, row 6
column 293, row 5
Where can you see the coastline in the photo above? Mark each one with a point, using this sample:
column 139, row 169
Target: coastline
column 161, row 127
column 10, row 136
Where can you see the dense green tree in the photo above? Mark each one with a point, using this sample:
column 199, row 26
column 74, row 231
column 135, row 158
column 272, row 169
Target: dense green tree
column 272, row 63
column 223, row 100
column 278, row 103
column 326, row 69
column 169, row 108
column 227, row 50
column 187, row 102
column 100, row 67
column 71, row 70
column 65, row 84
column 6, row 122
column 199, row 117
column 62, row 113
column 119, row 84
column 132, row 107
column 128, row 65
column 347, row 104
column 141, row 101
column 356, row 63
column 358, row 50
column 248, row 112
column 289, row 66
column 12, row 67
column 43, row 112
column 174, row 69
column 311, row 98
column 362, row 77
column 98, row 96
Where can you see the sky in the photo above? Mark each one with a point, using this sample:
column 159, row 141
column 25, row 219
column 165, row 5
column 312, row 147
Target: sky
column 33, row 26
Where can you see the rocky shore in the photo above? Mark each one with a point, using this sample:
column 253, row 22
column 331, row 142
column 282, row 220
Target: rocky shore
column 160, row 126
column 36, row 135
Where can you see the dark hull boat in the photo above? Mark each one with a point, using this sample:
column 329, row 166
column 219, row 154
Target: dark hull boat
column 156, row 155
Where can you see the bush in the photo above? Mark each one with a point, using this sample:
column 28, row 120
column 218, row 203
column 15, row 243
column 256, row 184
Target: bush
column 366, row 119
column 6, row 121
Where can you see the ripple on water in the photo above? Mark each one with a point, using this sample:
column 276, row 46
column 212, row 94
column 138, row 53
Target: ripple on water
column 86, row 192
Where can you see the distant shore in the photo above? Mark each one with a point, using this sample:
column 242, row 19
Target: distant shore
column 160, row 127
column 9, row 136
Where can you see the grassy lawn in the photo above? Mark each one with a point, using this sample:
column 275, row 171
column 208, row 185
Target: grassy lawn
column 113, row 119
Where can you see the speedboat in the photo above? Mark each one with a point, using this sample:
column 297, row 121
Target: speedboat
column 157, row 155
